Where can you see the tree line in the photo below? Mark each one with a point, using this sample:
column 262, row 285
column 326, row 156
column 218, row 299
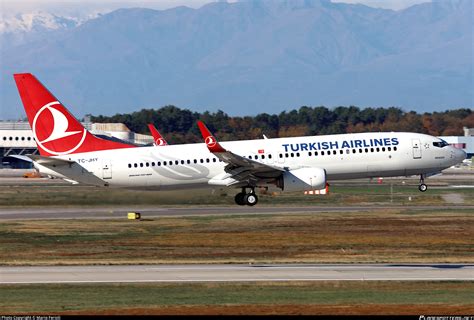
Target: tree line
column 179, row 125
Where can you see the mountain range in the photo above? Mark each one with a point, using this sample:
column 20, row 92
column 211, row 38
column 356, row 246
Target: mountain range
column 249, row 57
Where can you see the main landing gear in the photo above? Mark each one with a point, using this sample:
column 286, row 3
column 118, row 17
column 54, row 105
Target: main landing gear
column 243, row 198
column 422, row 187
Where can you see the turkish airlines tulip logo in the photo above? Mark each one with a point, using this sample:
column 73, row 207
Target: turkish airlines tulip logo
column 210, row 141
column 160, row 142
column 51, row 128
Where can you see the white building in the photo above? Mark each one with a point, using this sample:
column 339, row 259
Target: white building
column 465, row 142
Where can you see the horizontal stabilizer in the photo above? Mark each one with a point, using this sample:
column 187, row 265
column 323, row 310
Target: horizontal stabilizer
column 21, row 157
column 49, row 161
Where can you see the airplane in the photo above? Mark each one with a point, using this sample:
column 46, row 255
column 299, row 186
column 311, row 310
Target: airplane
column 291, row 164
column 157, row 137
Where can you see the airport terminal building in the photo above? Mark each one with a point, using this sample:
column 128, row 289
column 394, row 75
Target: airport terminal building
column 465, row 142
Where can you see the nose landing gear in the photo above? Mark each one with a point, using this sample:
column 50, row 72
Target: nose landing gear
column 422, row 187
column 246, row 198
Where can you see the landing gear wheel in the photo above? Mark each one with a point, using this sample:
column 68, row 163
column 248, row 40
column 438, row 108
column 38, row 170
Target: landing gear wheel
column 251, row 199
column 239, row 199
column 422, row 187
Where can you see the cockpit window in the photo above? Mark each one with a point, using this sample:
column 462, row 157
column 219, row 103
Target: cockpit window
column 440, row 144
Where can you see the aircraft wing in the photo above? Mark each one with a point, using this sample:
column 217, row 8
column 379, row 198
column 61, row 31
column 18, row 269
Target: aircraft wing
column 240, row 170
column 48, row 161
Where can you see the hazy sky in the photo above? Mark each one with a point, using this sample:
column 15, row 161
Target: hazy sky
column 81, row 7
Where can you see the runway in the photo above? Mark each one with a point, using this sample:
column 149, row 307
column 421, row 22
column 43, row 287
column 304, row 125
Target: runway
column 234, row 273
column 154, row 212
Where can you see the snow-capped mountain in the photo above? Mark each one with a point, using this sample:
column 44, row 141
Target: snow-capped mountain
column 252, row 56
column 37, row 22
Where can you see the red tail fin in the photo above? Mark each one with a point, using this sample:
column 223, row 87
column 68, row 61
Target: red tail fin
column 56, row 131
column 159, row 140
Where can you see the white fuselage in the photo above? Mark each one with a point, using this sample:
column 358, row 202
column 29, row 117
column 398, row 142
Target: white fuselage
column 344, row 156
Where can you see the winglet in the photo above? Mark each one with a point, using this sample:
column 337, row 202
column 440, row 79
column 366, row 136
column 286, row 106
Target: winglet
column 209, row 139
column 159, row 140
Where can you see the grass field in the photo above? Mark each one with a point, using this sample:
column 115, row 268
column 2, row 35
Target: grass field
column 394, row 235
column 242, row 298
column 62, row 194
column 397, row 235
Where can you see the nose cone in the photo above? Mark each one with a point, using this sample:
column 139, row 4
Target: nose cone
column 460, row 155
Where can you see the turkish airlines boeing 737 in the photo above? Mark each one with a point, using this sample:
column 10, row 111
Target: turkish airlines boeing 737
column 292, row 164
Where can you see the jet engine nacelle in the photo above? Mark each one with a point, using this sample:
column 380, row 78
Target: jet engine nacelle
column 302, row 179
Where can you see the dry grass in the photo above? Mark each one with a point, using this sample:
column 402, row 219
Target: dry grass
column 389, row 236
